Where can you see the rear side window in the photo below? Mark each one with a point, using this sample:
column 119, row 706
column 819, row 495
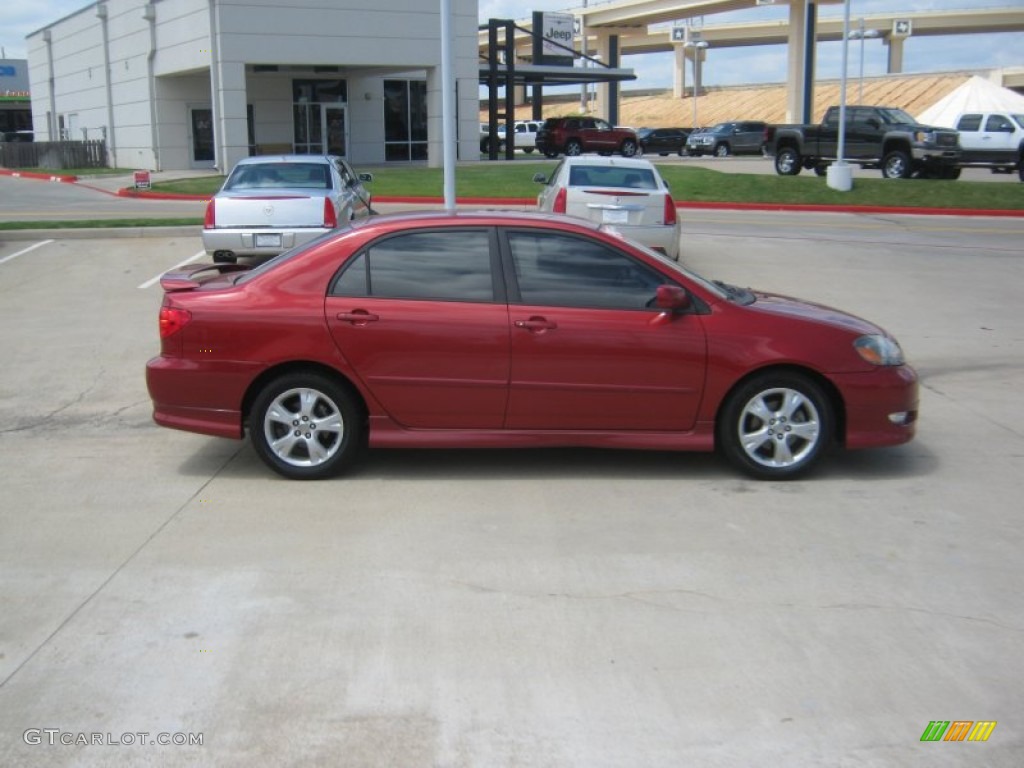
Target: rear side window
column 969, row 123
column 452, row 265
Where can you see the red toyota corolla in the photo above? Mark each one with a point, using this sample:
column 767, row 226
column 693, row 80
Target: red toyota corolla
column 498, row 329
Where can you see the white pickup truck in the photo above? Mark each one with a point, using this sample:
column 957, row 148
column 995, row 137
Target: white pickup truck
column 992, row 140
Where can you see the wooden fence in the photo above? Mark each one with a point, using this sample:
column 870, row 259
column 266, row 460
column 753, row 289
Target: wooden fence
column 53, row 155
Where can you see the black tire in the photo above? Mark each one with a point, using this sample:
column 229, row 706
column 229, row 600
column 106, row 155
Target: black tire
column 788, row 162
column 1020, row 169
column 573, row 148
column 792, row 441
column 628, row 148
column 528, row 150
column 682, row 151
column 951, row 172
column 317, row 451
column 820, row 170
column 896, row 165
column 722, row 150
column 550, row 153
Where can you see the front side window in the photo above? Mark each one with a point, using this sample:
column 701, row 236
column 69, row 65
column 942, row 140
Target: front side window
column 998, row 123
column 969, row 123
column 560, row 270
column 453, row 265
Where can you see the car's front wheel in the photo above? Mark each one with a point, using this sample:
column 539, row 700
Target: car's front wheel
column 896, row 165
column 776, row 426
column 305, row 426
column 722, row 150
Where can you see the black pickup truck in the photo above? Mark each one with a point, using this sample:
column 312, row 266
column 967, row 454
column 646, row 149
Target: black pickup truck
column 876, row 137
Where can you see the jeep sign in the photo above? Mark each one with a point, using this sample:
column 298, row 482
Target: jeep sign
column 556, row 33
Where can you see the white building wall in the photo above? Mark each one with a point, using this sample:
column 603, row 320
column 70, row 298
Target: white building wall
column 151, row 90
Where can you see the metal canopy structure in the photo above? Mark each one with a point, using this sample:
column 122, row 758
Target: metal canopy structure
column 503, row 71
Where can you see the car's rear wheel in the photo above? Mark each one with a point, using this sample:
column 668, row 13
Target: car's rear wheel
column 896, row 165
column 722, row 150
column 776, row 426
column 787, row 162
column 305, row 426
column 573, row 148
column 821, row 169
column 628, row 148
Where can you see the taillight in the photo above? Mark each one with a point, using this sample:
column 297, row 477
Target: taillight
column 172, row 320
column 210, row 220
column 670, row 210
column 559, row 205
column 330, row 217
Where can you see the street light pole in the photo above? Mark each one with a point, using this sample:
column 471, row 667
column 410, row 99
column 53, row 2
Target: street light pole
column 860, row 34
column 698, row 46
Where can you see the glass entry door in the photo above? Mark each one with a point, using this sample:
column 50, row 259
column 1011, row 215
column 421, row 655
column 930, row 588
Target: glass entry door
column 201, row 124
column 334, row 129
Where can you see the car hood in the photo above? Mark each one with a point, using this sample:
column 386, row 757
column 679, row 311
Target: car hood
column 787, row 306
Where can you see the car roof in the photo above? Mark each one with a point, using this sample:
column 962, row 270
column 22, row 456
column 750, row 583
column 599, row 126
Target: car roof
column 411, row 219
column 260, row 159
column 611, row 162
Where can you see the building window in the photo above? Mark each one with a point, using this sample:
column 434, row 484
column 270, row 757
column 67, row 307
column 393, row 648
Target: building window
column 405, row 120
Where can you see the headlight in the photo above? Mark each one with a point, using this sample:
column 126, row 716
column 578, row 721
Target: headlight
column 879, row 350
column 924, row 137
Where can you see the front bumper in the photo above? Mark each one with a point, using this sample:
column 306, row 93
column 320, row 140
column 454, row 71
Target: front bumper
column 880, row 406
column 243, row 242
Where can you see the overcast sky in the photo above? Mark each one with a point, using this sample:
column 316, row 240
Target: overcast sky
column 762, row 64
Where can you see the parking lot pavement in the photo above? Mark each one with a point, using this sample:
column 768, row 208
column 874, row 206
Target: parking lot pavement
column 533, row 608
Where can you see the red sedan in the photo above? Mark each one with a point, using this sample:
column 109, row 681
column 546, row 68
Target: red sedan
column 498, row 329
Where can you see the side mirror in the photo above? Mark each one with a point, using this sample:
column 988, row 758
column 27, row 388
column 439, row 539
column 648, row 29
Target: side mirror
column 540, row 178
column 366, row 177
column 874, row 122
column 671, row 297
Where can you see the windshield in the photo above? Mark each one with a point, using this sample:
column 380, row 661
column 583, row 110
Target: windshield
column 897, row 116
column 1019, row 119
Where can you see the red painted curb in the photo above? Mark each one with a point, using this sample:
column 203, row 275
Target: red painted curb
column 864, row 209
column 42, row 176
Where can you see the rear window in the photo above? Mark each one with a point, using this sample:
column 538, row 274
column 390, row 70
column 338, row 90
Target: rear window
column 279, row 176
column 612, row 176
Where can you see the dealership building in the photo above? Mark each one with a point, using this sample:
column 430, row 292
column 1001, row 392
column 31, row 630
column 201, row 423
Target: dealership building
column 179, row 84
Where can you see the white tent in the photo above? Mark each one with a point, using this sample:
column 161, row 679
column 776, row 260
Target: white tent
column 976, row 95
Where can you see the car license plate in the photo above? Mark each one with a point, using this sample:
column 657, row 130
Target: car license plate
column 611, row 216
column 268, row 241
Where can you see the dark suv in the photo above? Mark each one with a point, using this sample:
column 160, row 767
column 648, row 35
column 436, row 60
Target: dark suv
column 576, row 135
column 732, row 138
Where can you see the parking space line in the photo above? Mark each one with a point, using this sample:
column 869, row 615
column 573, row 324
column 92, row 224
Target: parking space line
column 23, row 251
column 189, row 260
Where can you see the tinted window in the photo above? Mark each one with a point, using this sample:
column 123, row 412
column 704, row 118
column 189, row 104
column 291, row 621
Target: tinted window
column 998, row 123
column 559, row 270
column 969, row 123
column 612, row 176
column 280, row 176
column 448, row 266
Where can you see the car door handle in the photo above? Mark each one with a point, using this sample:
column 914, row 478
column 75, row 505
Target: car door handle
column 357, row 316
column 536, row 324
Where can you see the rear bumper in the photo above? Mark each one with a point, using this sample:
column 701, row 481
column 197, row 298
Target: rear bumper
column 177, row 386
column 242, row 242
column 880, row 406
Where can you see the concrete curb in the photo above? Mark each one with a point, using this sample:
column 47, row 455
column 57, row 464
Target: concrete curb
column 100, row 233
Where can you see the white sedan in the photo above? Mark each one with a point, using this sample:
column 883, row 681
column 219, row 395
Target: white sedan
column 271, row 203
column 625, row 194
